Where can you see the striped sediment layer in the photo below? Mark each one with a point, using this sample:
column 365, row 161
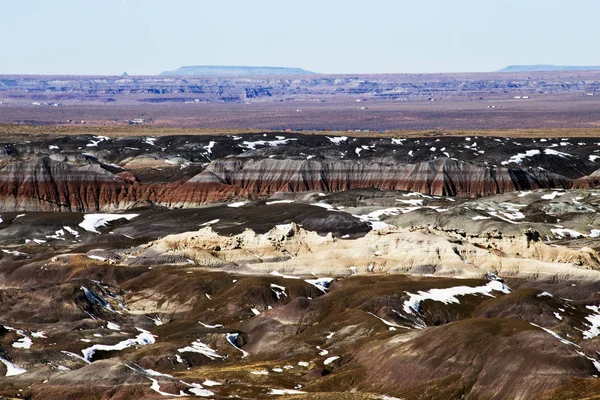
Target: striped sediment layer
column 443, row 176
column 44, row 184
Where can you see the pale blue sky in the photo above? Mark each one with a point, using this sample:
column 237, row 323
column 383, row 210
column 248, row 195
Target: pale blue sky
column 329, row 36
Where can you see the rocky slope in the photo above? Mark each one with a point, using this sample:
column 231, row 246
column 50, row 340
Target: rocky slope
column 244, row 320
column 290, row 249
column 46, row 185
column 442, row 177
column 423, row 363
column 265, row 265
column 158, row 303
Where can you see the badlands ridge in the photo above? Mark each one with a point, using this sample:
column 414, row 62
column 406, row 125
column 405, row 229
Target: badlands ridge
column 308, row 267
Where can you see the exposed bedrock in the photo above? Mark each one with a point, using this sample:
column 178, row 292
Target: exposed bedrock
column 90, row 173
column 291, row 249
column 43, row 184
column 443, row 176
column 87, row 185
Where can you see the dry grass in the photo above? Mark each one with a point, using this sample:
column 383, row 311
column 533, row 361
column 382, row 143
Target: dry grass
column 587, row 389
column 8, row 130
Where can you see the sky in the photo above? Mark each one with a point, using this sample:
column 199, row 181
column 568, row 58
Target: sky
column 146, row 37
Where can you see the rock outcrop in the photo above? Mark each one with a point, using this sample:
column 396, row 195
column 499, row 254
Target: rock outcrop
column 47, row 185
column 292, row 249
column 185, row 171
column 43, row 184
column 443, row 176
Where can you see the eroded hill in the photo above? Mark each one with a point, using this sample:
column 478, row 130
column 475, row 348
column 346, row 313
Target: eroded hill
column 266, row 265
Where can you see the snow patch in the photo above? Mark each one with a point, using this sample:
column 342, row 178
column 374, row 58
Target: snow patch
column 144, row 338
column 113, row 326
column 71, row 231
column 278, row 290
column 12, row 369
column 562, row 340
column 210, row 383
column 14, row 252
column 276, row 273
column 261, row 372
column 594, row 323
column 24, row 343
column 449, row 295
column 215, row 326
column 93, row 221
column 156, row 387
column 517, row 158
column 198, row 390
column 238, row 204
column 201, row 348
column 552, row 195
column 337, row 140
column 392, row 326
column 320, row 283
column 95, row 143
column 558, row 316
column 279, row 202
column 561, row 233
column 271, row 143
column 323, row 205
column 551, row 152
column 283, row 392
column 330, row 360
column 232, row 338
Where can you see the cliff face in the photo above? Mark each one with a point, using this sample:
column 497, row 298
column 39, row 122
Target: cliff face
column 54, row 174
column 444, row 176
column 46, row 185
column 43, row 184
column 293, row 249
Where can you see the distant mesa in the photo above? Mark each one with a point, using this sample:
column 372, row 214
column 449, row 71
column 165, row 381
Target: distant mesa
column 212, row 70
column 545, row 67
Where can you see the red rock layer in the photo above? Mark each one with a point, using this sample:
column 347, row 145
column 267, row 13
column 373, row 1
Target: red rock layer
column 444, row 176
column 47, row 185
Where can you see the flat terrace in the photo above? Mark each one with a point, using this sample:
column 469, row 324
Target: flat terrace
column 480, row 111
column 20, row 132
